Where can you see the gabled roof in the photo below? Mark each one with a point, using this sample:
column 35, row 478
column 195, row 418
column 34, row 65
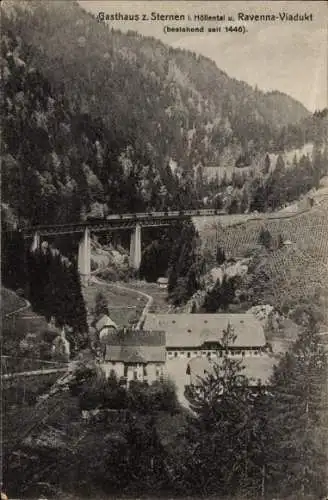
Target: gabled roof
column 105, row 322
column 192, row 330
column 135, row 346
column 135, row 354
column 256, row 368
column 136, row 338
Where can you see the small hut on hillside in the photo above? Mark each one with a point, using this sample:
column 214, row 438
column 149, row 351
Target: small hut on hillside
column 162, row 282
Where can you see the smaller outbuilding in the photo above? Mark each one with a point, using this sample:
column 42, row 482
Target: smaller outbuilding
column 104, row 326
column 163, row 282
column 135, row 355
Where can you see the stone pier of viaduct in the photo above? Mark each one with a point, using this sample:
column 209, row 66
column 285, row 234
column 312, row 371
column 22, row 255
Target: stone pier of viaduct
column 132, row 222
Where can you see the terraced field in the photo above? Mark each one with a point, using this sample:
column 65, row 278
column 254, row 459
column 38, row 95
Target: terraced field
column 294, row 274
column 299, row 269
column 308, row 230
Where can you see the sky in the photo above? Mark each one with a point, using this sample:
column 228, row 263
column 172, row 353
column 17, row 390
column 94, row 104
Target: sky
column 291, row 57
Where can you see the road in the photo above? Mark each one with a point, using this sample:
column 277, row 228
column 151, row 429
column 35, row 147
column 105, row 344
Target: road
column 149, row 298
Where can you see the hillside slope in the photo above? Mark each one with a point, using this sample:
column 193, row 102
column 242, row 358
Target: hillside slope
column 119, row 120
column 289, row 274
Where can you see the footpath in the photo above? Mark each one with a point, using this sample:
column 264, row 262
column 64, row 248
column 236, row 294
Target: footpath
column 95, row 279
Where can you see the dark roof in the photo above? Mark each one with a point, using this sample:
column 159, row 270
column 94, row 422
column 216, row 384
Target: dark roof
column 136, row 338
column 136, row 346
column 135, row 354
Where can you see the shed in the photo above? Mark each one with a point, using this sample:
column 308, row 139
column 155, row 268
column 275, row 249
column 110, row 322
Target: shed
column 162, row 282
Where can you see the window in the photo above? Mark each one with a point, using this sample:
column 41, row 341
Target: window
column 144, row 370
column 188, row 354
column 125, row 370
column 170, row 353
column 182, row 353
column 175, row 354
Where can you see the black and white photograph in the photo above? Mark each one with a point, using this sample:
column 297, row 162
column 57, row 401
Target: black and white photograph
column 164, row 250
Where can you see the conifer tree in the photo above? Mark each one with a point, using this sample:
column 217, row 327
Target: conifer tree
column 183, row 266
column 13, row 266
column 101, row 304
column 267, row 164
column 296, row 458
column 280, row 165
column 265, row 238
column 75, row 311
column 222, row 401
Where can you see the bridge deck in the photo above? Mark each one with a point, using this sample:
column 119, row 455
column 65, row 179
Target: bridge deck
column 148, row 219
column 119, row 221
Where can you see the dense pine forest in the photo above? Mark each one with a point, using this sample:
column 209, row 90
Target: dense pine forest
column 125, row 123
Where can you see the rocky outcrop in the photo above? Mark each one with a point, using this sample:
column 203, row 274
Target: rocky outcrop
column 216, row 274
column 104, row 256
column 262, row 313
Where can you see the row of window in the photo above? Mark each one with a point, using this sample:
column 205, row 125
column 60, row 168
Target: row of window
column 233, row 352
column 144, row 370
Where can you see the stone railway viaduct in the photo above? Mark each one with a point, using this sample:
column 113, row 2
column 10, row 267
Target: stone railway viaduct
column 134, row 222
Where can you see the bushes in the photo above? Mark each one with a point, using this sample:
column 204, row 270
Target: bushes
column 116, row 274
column 95, row 391
column 93, row 265
column 109, row 274
column 222, row 295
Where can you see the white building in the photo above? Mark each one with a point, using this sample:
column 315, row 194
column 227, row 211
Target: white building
column 190, row 335
column 194, row 344
column 135, row 355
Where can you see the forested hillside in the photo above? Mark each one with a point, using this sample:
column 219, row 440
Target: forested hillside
column 97, row 120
